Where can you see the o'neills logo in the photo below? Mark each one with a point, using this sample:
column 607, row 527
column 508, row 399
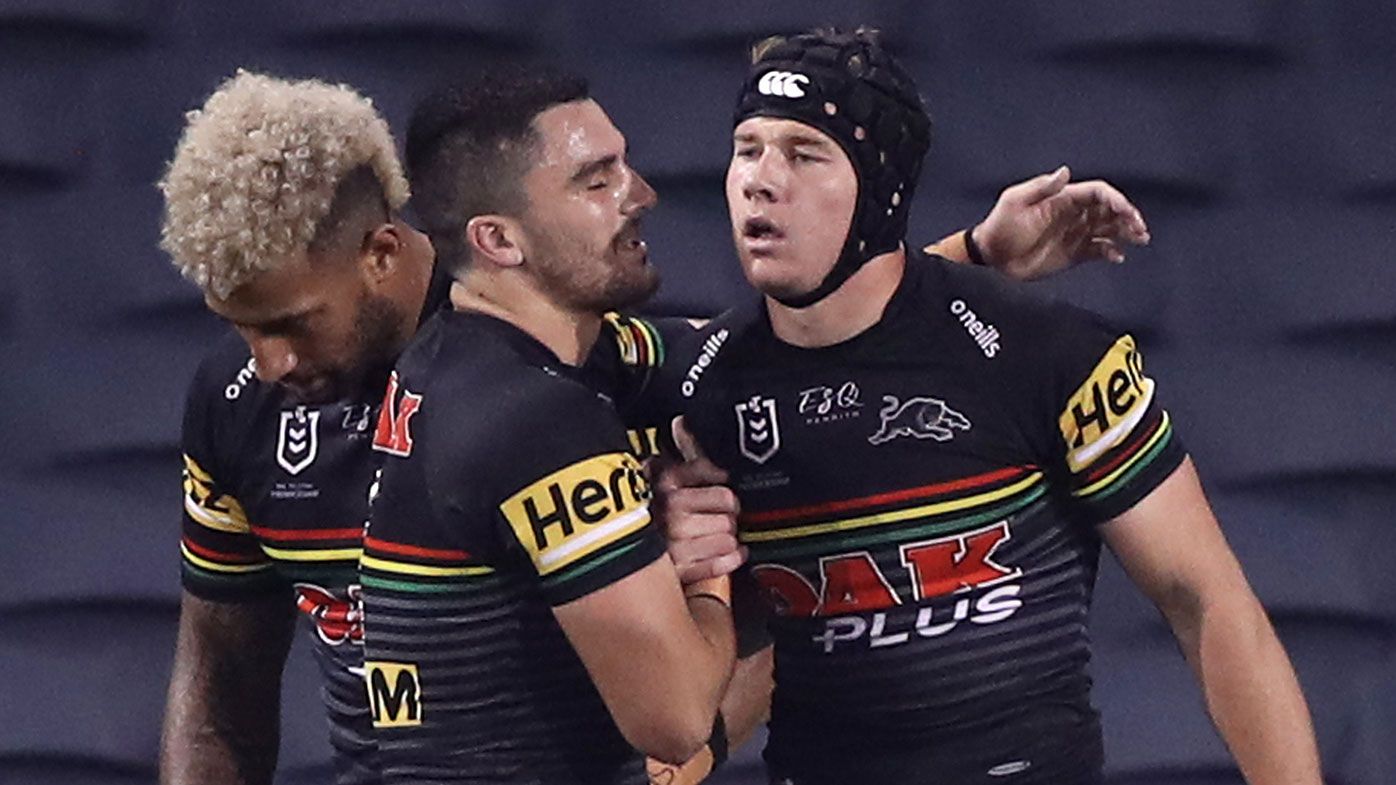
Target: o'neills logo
column 986, row 335
column 705, row 358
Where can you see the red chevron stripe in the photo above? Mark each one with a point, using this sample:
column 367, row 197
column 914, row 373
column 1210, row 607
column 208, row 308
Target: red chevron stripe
column 223, row 556
column 302, row 535
column 1125, row 455
column 373, row 543
column 891, row 497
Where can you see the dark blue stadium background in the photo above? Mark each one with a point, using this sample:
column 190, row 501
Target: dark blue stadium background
column 1257, row 135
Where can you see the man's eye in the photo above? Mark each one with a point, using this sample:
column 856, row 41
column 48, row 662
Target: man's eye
column 745, row 152
column 805, row 158
column 596, row 185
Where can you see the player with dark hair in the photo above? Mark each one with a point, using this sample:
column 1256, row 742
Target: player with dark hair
column 522, row 621
column 282, row 203
column 927, row 462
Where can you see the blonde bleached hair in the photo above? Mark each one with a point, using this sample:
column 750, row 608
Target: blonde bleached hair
column 256, row 172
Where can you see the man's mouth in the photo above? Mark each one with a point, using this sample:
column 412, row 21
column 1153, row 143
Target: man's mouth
column 629, row 240
column 761, row 233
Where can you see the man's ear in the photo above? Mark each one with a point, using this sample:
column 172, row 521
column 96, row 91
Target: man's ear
column 382, row 251
column 496, row 239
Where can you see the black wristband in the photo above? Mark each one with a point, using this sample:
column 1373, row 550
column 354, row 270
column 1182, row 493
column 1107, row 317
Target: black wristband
column 976, row 256
column 717, row 743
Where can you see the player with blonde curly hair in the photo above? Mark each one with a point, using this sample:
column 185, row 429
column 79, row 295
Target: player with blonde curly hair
column 282, row 205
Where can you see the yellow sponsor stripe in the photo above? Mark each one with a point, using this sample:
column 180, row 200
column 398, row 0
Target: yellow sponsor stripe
column 1080, row 459
column 419, row 569
column 1127, row 465
column 196, row 471
column 214, row 566
column 895, row 516
column 331, row 554
column 212, row 519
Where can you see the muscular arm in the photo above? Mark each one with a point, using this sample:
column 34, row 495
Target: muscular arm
column 660, row 660
column 1172, row 548
column 222, row 717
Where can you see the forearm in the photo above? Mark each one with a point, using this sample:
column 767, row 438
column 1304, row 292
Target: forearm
column 713, row 616
column 222, row 715
column 216, row 739
column 747, row 703
column 1250, row 689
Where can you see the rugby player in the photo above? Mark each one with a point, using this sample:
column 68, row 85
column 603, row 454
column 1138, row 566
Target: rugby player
column 927, row 462
column 282, row 204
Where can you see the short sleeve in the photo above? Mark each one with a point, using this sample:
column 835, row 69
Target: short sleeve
column 578, row 505
column 221, row 558
column 1114, row 441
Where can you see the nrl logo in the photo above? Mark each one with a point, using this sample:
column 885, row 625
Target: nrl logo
column 298, row 440
column 758, row 431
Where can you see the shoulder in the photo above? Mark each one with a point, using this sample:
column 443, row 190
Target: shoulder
column 1007, row 320
column 225, row 397
column 480, row 402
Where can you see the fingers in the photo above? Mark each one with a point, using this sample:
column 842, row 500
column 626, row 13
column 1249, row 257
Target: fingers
column 726, row 564
column 711, row 499
column 1041, row 187
column 688, row 446
column 1110, row 212
column 1105, row 248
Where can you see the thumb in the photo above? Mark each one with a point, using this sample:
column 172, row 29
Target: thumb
column 687, row 444
column 1042, row 186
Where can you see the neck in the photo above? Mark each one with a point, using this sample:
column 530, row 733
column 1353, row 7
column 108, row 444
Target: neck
column 508, row 295
column 851, row 309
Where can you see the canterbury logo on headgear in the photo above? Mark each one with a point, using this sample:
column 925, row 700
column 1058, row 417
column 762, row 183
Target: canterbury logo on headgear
column 782, row 83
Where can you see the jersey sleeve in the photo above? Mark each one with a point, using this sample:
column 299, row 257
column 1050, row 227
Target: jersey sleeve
column 576, row 502
column 221, row 558
column 1113, row 440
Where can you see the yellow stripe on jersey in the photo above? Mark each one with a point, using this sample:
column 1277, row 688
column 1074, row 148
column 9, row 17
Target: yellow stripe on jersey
column 222, row 513
column 894, row 516
column 625, row 339
column 328, row 554
column 406, row 568
column 1139, row 455
column 577, row 511
column 213, row 566
column 1107, row 406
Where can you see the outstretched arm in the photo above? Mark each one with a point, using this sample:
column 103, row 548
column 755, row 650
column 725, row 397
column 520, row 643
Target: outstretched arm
column 1171, row 546
column 1048, row 224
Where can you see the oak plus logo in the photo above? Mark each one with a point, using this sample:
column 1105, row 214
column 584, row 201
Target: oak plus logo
column 394, row 433
column 783, row 84
column 297, row 439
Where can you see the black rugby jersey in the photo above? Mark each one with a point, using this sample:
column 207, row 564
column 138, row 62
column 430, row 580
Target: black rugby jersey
column 919, row 503
column 276, row 496
column 510, row 487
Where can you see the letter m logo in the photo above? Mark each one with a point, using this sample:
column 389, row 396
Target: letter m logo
column 394, row 694
column 394, row 434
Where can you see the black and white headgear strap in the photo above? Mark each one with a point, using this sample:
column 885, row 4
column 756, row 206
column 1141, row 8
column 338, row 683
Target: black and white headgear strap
column 851, row 89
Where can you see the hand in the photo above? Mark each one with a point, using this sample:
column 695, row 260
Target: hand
column 1048, row 224
column 698, row 513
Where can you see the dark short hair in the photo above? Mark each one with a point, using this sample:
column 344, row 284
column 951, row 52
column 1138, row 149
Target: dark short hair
column 470, row 144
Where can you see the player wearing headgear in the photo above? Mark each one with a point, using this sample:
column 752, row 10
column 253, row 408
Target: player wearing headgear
column 282, row 204
column 927, row 462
